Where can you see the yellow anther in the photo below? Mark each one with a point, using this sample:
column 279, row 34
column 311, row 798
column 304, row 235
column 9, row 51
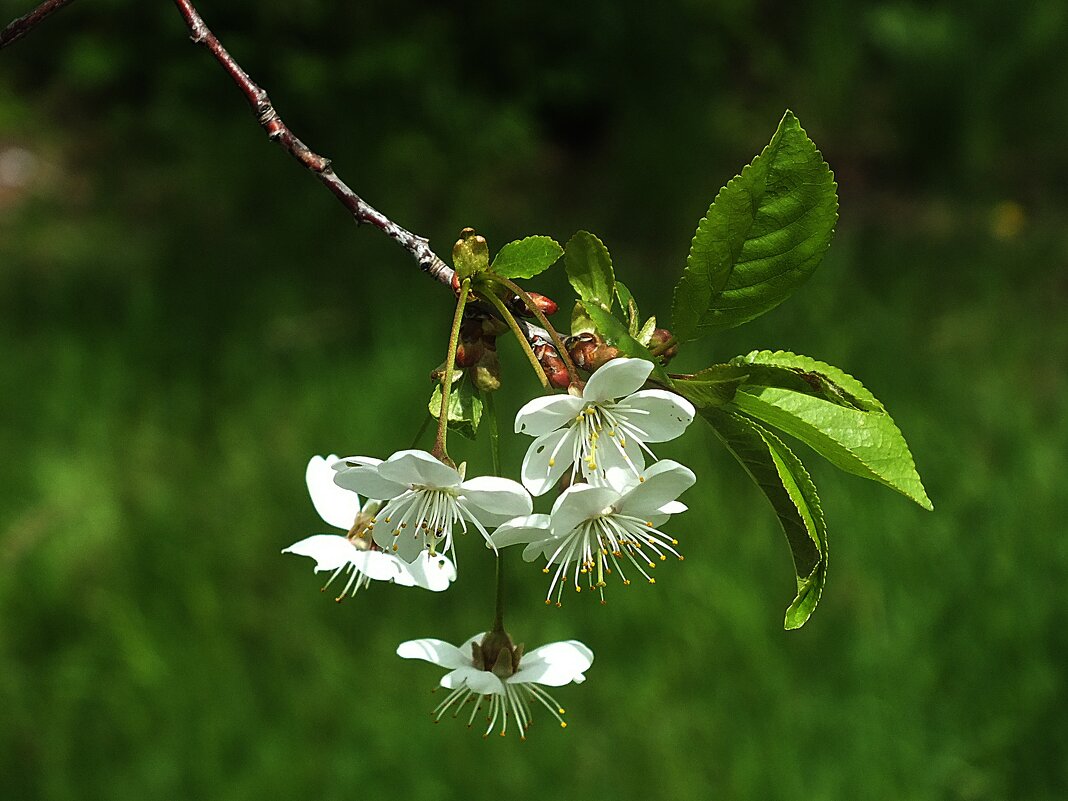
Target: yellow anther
column 563, row 725
column 674, row 542
column 545, row 570
column 682, row 558
column 626, row 582
column 562, row 711
column 396, row 547
column 652, row 581
column 663, row 557
column 641, row 479
column 552, row 462
column 547, row 602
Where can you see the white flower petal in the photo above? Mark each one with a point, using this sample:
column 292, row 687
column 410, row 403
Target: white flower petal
column 418, row 467
column 481, row 681
column 407, row 546
column 529, row 528
column 492, row 499
column 579, row 503
column 381, row 566
column 542, row 549
column 330, row 551
column 616, row 378
column 546, row 460
column 336, row 506
column 345, row 462
column 437, row 651
column 664, row 482
column 555, row 664
column 365, row 479
column 658, row 415
column 547, row 413
column 673, row 508
column 434, row 573
column 617, row 466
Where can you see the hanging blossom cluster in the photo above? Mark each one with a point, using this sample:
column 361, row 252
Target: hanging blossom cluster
column 403, row 519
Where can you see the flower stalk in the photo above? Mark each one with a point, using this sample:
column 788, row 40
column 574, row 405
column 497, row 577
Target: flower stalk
column 440, row 451
column 528, row 301
column 509, row 319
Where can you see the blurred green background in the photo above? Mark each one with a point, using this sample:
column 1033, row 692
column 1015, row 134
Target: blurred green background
column 186, row 316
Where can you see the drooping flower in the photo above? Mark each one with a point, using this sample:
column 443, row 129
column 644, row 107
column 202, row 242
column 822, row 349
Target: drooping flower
column 425, row 501
column 499, row 678
column 594, row 531
column 603, row 430
column 354, row 553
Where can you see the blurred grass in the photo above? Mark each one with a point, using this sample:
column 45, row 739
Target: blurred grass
column 185, row 319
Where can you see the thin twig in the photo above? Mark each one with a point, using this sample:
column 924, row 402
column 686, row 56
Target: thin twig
column 278, row 131
column 23, row 25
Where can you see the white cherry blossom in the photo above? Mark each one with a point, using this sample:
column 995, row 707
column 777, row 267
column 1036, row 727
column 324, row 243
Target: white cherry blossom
column 425, row 502
column 594, row 531
column 500, row 679
column 353, row 553
column 603, row 430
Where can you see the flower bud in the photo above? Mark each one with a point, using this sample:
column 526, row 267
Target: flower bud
column 487, row 373
column 603, row 354
column 544, row 304
column 659, row 337
column 468, row 353
column 581, row 348
column 553, row 365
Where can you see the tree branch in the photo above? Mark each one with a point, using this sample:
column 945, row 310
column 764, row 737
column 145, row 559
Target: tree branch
column 278, row 131
column 23, row 25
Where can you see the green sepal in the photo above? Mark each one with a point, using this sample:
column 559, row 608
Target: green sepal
column 470, row 254
column 580, row 321
column 763, row 236
column 788, row 487
column 465, row 405
column 645, row 335
column 525, row 258
column 615, row 333
column 713, row 386
column 589, row 269
column 831, row 412
column 630, row 306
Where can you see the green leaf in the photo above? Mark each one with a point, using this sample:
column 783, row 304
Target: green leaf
column 465, row 405
column 802, row 374
column 589, row 269
column 470, row 254
column 627, row 302
column 616, row 334
column 865, row 443
column 525, row 258
column 580, row 321
column 713, row 386
column 645, row 335
column 788, row 487
column 763, row 236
